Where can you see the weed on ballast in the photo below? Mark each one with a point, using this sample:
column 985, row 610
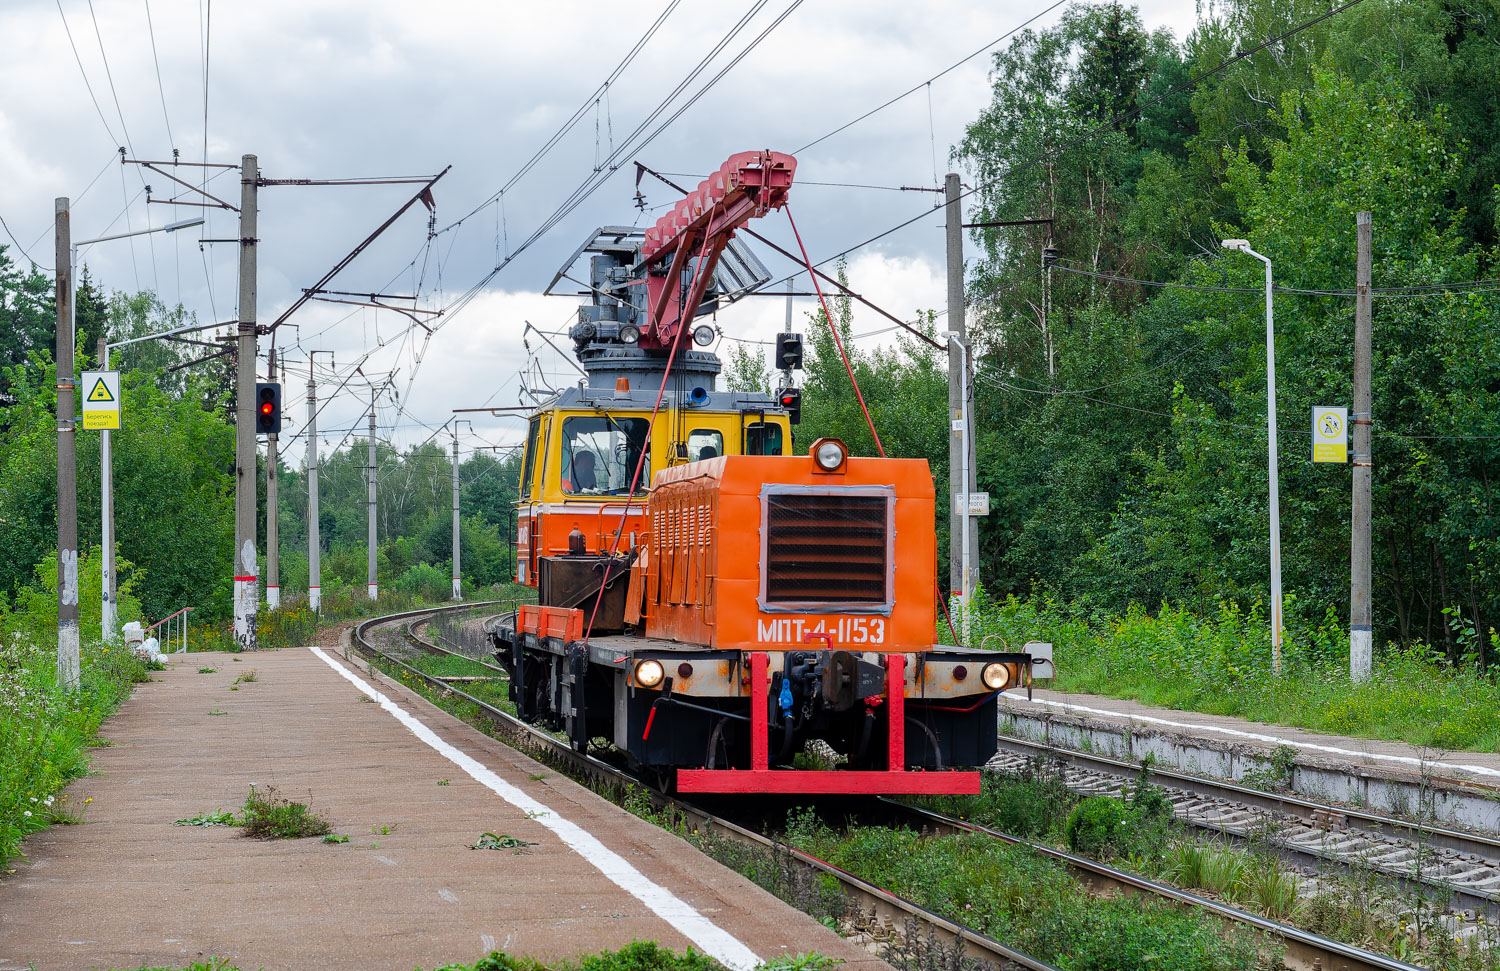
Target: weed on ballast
column 269, row 816
column 335, row 838
column 246, row 678
column 384, row 829
column 221, row 817
column 490, row 841
column 208, row 670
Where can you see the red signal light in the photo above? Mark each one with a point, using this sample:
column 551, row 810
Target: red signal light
column 787, row 399
column 265, row 407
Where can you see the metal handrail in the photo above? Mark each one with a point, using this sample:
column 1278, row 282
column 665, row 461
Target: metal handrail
column 181, row 628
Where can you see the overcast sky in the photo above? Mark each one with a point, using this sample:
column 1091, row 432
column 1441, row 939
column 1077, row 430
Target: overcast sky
column 332, row 89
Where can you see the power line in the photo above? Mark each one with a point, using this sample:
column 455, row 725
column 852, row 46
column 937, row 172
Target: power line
column 69, row 31
column 952, row 67
column 22, row 249
column 110, row 77
column 1411, row 290
column 577, row 115
column 1219, row 423
column 1097, row 130
column 161, row 89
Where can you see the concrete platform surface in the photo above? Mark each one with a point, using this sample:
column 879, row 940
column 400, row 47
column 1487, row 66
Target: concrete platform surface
column 412, row 787
column 1397, row 758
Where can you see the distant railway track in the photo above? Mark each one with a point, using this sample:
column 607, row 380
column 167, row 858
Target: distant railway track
column 1303, row 949
column 1467, row 865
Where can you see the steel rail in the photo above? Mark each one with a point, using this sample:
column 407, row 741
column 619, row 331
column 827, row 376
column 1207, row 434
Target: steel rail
column 1402, row 852
column 1303, row 947
column 1460, row 840
column 432, row 645
column 879, row 903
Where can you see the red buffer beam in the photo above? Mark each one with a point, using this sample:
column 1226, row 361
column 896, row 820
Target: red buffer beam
column 747, row 186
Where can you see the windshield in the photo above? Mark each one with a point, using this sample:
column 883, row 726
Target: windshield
column 600, row 454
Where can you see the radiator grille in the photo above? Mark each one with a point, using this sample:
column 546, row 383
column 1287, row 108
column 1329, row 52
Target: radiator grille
column 826, row 548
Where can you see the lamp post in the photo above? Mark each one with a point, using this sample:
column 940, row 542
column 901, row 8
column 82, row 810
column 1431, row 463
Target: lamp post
column 1244, row 247
column 108, row 606
column 968, row 434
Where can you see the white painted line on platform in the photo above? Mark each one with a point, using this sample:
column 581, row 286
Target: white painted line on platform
column 708, row 936
column 1404, row 759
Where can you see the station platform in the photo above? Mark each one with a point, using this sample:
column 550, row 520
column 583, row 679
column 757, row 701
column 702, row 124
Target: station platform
column 1482, row 768
column 1455, row 787
column 412, row 787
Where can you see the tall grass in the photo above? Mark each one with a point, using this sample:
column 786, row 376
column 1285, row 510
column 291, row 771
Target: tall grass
column 45, row 732
column 1220, row 663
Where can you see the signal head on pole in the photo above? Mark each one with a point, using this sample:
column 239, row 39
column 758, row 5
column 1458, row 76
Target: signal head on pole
column 268, row 408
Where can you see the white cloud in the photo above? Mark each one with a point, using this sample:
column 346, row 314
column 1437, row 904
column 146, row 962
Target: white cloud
column 341, row 88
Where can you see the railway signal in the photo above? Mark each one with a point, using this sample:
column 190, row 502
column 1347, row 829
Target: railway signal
column 791, row 400
column 268, row 408
column 788, row 351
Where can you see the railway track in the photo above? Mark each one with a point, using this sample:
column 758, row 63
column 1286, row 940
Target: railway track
column 1465, row 865
column 875, row 905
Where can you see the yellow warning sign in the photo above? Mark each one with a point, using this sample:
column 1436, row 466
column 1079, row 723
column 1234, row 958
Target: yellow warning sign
column 1330, row 434
column 101, row 400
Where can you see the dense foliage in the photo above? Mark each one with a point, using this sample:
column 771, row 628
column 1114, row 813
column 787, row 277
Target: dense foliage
column 173, row 480
column 1121, row 426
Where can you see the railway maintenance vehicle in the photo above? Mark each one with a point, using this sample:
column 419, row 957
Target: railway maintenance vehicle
column 711, row 595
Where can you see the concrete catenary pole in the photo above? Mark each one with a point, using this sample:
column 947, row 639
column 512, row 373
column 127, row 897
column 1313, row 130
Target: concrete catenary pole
column 246, row 586
column 108, row 614
column 371, row 477
column 67, row 471
column 314, row 543
column 1361, row 633
column 964, row 531
column 273, row 510
column 458, row 591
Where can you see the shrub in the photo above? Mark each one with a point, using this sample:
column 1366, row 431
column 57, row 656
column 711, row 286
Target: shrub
column 1098, row 826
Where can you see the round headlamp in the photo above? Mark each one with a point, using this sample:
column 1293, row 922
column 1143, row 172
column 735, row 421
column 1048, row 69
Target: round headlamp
column 630, row 333
column 648, row 673
column 830, row 455
column 703, row 335
column 996, row 675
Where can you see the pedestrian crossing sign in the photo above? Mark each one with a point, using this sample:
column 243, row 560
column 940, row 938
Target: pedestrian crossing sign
column 101, row 400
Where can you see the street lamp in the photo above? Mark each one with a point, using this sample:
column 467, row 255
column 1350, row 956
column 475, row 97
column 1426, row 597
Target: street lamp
column 967, row 430
column 1243, row 246
column 108, row 608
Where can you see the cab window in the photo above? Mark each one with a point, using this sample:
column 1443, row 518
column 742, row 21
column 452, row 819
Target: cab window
column 528, row 466
column 704, row 443
column 600, row 453
column 763, row 438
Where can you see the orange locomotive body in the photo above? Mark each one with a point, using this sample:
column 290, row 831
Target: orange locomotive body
column 709, row 600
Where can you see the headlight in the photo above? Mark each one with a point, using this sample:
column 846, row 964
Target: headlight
column 630, row 333
column 996, row 675
column 829, row 455
column 648, row 673
column 703, row 335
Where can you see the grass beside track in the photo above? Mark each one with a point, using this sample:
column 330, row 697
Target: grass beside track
column 1031, row 903
column 46, row 733
column 1138, row 834
column 1220, row 664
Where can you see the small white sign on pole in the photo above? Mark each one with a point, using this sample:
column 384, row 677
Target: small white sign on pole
column 979, row 504
column 101, row 400
column 1330, row 434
